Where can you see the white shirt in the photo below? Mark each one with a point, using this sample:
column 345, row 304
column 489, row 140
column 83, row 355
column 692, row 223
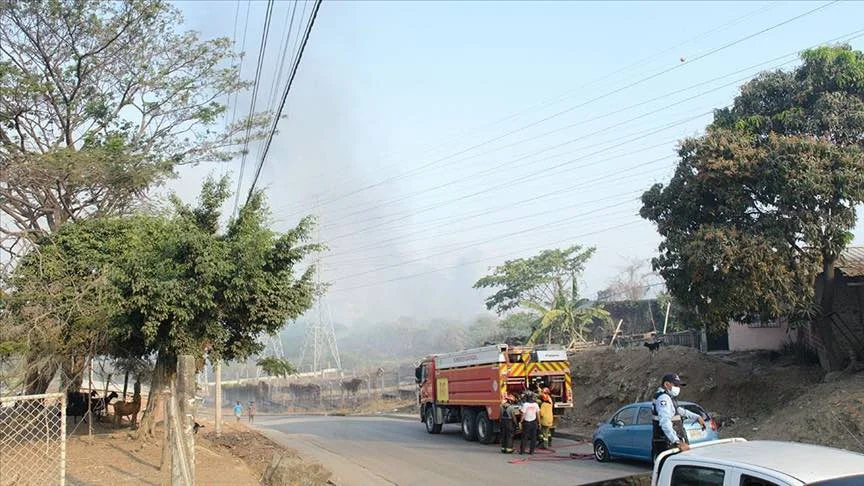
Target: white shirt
column 666, row 411
column 530, row 411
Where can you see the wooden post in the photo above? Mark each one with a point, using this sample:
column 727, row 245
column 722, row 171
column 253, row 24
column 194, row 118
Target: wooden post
column 90, row 402
column 615, row 334
column 217, row 373
column 666, row 320
column 185, row 400
column 166, row 432
column 125, row 384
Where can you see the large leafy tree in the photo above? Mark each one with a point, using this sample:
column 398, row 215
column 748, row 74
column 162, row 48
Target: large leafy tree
column 167, row 284
column 763, row 204
column 99, row 102
column 546, row 285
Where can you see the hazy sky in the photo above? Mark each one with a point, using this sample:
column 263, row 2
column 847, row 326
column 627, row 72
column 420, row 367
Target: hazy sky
column 437, row 139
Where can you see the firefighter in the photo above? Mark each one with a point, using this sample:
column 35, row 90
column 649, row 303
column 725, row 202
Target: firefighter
column 667, row 414
column 547, row 419
column 509, row 410
column 530, row 411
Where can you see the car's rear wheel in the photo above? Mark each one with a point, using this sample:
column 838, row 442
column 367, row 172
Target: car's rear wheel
column 469, row 428
column 601, row 452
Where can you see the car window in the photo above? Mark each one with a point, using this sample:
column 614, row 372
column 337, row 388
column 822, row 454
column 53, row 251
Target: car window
column 751, row 481
column 697, row 476
column 644, row 417
column 697, row 410
column 856, row 480
column 627, row 415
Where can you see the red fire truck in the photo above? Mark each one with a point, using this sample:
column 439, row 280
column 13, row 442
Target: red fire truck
column 467, row 387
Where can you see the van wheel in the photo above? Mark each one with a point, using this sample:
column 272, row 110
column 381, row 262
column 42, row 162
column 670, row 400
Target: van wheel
column 601, row 452
column 469, row 428
column 485, row 429
column 431, row 426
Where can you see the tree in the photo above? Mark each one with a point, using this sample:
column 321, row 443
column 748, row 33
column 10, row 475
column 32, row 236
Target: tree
column 763, row 204
column 546, row 285
column 171, row 284
column 100, row 101
column 629, row 284
column 274, row 366
column 190, row 290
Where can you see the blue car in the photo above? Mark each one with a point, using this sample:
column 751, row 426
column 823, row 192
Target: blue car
column 627, row 435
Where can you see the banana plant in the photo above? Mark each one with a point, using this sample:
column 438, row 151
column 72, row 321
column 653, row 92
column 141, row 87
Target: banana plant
column 568, row 317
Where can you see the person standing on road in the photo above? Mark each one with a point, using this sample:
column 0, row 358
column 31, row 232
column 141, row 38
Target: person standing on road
column 509, row 410
column 530, row 410
column 547, row 419
column 238, row 411
column 251, row 412
column 667, row 414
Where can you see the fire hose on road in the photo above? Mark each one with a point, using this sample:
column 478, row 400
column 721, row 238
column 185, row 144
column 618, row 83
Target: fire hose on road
column 551, row 455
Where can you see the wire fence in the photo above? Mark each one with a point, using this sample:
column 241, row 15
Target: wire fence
column 33, row 439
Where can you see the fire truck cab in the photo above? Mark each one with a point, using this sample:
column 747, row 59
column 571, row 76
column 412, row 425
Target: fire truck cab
column 467, row 387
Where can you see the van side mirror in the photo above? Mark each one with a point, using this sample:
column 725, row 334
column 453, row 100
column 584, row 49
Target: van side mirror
column 418, row 374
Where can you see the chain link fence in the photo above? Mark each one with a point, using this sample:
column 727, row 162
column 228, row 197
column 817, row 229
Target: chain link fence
column 33, row 439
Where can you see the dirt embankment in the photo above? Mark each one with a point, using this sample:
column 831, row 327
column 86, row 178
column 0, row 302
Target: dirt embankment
column 239, row 457
column 758, row 395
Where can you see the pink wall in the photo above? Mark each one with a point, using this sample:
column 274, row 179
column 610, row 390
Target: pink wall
column 744, row 338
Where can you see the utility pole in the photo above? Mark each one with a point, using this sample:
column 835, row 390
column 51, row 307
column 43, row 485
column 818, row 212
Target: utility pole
column 217, row 372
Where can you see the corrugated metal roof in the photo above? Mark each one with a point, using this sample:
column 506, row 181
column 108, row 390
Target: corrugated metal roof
column 851, row 261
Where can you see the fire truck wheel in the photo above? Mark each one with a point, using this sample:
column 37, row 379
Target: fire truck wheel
column 431, row 426
column 485, row 430
column 469, row 426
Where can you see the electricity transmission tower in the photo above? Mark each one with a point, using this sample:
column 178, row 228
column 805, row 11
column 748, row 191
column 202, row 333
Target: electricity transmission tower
column 320, row 350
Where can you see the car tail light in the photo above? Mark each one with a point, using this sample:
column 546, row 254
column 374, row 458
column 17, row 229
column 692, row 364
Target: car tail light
column 713, row 425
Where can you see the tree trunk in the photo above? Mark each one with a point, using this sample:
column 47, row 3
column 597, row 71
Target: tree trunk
column 72, row 373
column 125, row 384
column 164, row 374
column 40, row 372
column 830, row 358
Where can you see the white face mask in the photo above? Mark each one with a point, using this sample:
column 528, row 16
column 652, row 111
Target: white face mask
column 675, row 391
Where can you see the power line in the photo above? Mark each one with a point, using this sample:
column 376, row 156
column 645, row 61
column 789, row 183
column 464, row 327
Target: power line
column 242, row 58
column 545, row 171
column 580, row 105
column 579, row 89
column 448, row 221
column 582, row 122
column 284, row 97
column 497, row 257
column 516, row 181
column 497, row 237
column 277, row 80
column 547, row 226
column 261, row 51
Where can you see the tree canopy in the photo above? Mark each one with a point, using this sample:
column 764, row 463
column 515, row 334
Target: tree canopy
column 765, row 200
column 546, row 286
column 101, row 101
column 163, row 284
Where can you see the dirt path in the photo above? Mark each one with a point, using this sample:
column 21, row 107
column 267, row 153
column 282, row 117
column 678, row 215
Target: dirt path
column 238, row 458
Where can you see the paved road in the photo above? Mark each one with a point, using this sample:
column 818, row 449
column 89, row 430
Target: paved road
column 386, row 451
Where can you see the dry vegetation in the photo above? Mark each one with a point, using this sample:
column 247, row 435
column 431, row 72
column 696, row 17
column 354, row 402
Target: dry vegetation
column 758, row 395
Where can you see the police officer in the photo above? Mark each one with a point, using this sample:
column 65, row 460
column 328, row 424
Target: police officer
column 668, row 424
